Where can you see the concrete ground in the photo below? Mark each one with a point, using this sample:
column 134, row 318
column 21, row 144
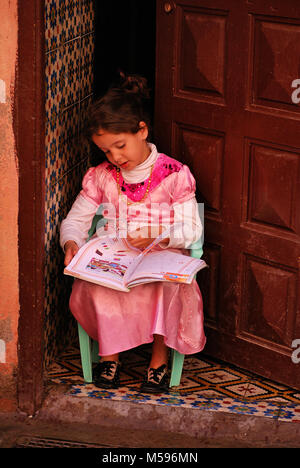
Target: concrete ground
column 107, row 423
column 14, row 431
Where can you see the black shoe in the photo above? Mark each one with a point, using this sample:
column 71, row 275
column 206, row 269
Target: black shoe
column 156, row 380
column 107, row 374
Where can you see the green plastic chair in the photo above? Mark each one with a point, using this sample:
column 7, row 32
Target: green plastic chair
column 89, row 349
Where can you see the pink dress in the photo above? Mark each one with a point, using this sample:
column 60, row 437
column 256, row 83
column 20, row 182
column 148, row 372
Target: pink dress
column 124, row 320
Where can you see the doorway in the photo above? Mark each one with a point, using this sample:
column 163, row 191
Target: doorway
column 85, row 48
column 64, row 39
column 63, row 175
column 124, row 40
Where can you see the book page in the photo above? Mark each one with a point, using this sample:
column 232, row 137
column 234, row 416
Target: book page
column 166, row 266
column 103, row 261
column 145, row 252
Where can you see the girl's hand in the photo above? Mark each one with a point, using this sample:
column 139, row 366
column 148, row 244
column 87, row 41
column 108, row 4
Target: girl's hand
column 139, row 242
column 141, row 237
column 71, row 248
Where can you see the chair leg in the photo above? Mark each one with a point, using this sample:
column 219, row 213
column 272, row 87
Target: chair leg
column 177, row 365
column 95, row 351
column 86, row 355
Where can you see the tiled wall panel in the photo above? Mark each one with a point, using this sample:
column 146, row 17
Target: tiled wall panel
column 69, row 35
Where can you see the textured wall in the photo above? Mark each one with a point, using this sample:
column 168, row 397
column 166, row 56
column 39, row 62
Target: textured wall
column 69, row 35
column 9, row 297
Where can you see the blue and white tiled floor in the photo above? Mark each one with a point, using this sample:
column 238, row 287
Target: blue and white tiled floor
column 206, row 384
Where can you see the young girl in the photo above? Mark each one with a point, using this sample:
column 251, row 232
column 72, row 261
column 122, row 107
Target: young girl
column 164, row 313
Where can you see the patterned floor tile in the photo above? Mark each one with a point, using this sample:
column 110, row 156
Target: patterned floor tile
column 206, row 384
column 218, row 376
column 289, row 412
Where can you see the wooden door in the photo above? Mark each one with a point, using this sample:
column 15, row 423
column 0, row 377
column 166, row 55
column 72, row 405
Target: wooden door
column 224, row 107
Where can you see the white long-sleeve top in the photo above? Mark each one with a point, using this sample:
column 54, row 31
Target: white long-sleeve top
column 79, row 219
column 186, row 214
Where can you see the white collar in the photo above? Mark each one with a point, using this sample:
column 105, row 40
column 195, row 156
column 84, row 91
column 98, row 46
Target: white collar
column 142, row 171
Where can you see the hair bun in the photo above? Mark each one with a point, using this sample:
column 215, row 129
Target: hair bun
column 134, row 84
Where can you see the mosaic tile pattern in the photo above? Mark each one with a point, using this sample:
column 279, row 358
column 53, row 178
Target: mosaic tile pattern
column 206, row 384
column 69, row 38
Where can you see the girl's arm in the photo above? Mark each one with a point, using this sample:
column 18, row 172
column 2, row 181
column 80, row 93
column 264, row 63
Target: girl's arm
column 189, row 225
column 74, row 228
column 142, row 237
column 71, row 249
column 188, row 230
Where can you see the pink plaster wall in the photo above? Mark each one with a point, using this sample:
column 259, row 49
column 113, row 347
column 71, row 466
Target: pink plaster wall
column 9, row 291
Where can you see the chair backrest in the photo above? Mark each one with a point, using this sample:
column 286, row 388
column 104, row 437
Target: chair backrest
column 93, row 227
column 197, row 249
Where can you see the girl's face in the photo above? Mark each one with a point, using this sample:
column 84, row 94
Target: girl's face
column 124, row 150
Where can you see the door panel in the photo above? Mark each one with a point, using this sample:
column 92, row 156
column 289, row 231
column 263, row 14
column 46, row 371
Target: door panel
column 224, row 107
column 267, row 204
column 200, row 55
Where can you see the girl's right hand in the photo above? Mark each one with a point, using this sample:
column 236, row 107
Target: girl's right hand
column 71, row 248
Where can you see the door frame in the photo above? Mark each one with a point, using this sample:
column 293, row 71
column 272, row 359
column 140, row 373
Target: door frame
column 29, row 128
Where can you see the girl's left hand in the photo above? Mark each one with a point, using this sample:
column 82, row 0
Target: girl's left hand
column 141, row 237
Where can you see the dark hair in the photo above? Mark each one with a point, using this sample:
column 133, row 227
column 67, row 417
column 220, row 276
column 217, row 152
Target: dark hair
column 121, row 109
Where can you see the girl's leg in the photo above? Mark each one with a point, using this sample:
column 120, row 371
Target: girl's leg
column 156, row 379
column 113, row 357
column 107, row 372
column 159, row 352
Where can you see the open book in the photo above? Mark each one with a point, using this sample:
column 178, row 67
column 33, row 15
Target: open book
column 114, row 263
